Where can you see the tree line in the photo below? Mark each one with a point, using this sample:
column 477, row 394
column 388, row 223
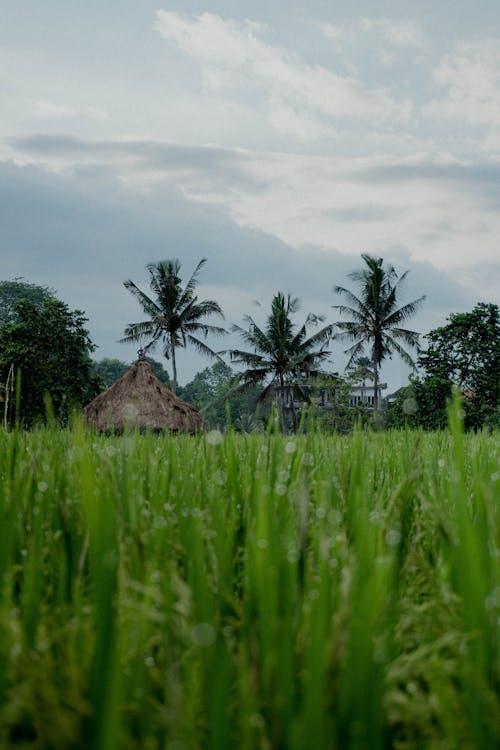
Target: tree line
column 282, row 355
column 280, row 361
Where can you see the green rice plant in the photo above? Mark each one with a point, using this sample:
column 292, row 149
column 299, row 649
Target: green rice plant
column 223, row 591
column 472, row 554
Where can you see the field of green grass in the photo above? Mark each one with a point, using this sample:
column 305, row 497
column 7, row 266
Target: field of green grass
column 263, row 591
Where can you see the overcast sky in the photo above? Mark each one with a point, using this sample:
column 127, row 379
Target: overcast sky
column 278, row 140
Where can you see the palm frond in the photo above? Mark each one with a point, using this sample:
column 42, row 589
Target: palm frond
column 298, row 340
column 405, row 356
column 249, row 359
column 205, row 328
column 147, row 304
column 187, row 294
column 410, row 338
column 136, row 332
column 252, row 376
column 362, row 316
column 258, row 338
column 313, row 319
column 194, row 311
column 354, row 351
column 405, row 312
column 401, row 280
column 208, row 307
column 350, row 331
column 202, row 348
column 320, row 337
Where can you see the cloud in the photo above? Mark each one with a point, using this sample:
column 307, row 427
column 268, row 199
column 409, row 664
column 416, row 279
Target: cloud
column 380, row 40
column 76, row 234
column 396, row 32
column 365, row 212
column 484, row 277
column 141, row 162
column 49, row 109
column 46, row 109
column 146, row 151
column 470, row 80
column 288, row 119
column 333, row 31
column 300, row 99
column 422, row 167
column 440, row 210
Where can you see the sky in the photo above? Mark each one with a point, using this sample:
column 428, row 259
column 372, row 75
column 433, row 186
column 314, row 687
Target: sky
column 278, row 140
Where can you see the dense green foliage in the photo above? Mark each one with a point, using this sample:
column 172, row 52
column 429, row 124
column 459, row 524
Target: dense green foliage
column 375, row 318
column 110, row 370
column 47, row 347
column 208, row 392
column 12, row 292
column 249, row 592
column 464, row 354
column 175, row 315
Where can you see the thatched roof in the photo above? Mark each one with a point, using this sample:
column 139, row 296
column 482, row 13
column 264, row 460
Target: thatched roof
column 140, row 400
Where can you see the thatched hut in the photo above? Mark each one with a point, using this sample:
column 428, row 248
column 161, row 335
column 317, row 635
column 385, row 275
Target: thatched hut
column 138, row 400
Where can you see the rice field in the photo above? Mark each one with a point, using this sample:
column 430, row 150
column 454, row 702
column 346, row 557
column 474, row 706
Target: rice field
column 256, row 592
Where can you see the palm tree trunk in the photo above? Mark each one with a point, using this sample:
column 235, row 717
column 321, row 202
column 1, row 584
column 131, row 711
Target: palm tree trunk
column 282, row 404
column 377, row 360
column 294, row 413
column 174, row 369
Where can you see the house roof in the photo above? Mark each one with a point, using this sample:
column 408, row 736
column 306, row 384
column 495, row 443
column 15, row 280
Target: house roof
column 139, row 400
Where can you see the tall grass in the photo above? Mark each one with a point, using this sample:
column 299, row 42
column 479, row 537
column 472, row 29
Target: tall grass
column 249, row 592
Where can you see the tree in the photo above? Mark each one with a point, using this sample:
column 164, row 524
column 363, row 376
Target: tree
column 360, row 368
column 376, row 318
column 174, row 315
column 331, row 409
column 281, row 353
column 110, row 370
column 159, row 371
column 464, row 354
column 12, row 292
column 402, row 408
column 48, row 347
column 209, row 390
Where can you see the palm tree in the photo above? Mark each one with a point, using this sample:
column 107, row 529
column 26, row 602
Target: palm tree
column 174, row 314
column 376, row 318
column 281, row 352
column 361, row 368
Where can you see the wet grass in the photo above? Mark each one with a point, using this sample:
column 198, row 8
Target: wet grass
column 249, row 592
